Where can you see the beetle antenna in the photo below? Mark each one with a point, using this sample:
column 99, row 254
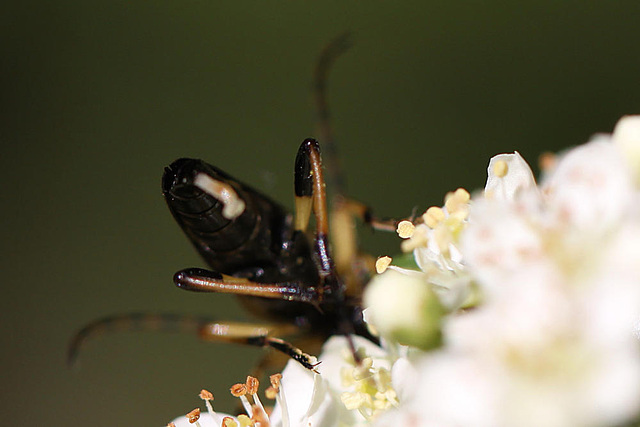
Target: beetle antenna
column 335, row 177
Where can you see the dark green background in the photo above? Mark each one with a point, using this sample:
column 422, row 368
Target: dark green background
column 98, row 96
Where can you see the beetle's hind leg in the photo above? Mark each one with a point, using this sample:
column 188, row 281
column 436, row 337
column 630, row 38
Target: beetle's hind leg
column 257, row 335
column 163, row 322
column 260, row 336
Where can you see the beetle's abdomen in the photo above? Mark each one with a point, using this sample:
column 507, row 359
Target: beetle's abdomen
column 237, row 230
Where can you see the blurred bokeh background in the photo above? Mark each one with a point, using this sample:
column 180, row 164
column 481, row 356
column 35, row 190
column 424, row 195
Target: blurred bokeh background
column 97, row 97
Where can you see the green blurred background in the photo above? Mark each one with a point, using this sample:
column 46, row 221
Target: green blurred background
column 97, row 97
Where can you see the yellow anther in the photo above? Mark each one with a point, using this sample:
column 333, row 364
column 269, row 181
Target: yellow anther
column 364, row 370
column 500, row 169
column 443, row 239
column 433, row 216
column 229, row 422
column 382, row 263
column 420, row 238
column 462, row 195
column 245, row 421
column 456, row 199
column 353, row 400
column 346, row 377
column 271, row 393
column 405, row 229
column 461, row 214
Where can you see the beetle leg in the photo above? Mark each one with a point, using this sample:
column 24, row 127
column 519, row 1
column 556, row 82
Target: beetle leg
column 310, row 189
column 257, row 335
column 200, row 280
column 309, row 182
column 209, row 330
column 133, row 322
column 328, row 56
column 365, row 214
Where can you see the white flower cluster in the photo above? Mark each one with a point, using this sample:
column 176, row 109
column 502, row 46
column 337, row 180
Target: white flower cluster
column 558, row 267
column 524, row 310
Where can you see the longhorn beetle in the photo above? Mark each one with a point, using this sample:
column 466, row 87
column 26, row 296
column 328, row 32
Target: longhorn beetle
column 263, row 254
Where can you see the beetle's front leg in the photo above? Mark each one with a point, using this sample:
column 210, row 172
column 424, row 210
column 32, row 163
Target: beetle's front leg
column 201, row 280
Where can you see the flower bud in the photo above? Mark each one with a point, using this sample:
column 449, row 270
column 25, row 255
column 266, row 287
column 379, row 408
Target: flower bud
column 404, row 308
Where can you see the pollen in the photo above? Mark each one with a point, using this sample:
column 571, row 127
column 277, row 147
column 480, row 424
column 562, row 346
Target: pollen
column 500, row 169
column 405, row 229
column 382, row 263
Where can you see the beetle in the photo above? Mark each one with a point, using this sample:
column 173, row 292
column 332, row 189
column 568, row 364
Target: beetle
column 257, row 250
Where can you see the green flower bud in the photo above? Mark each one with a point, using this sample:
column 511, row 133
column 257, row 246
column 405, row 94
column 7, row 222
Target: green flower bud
column 404, row 308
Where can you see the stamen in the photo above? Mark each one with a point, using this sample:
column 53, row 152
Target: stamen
column 500, row 169
column 245, row 421
column 352, row 400
column 207, row 396
column 229, row 422
column 252, row 389
column 456, row 200
column 171, row 425
column 547, row 161
column 260, row 417
column 276, row 385
column 252, row 385
column 405, row 229
column 240, row 390
column 194, row 416
column 275, row 381
column 382, row 263
column 433, row 216
column 270, row 393
column 363, row 370
column 371, row 388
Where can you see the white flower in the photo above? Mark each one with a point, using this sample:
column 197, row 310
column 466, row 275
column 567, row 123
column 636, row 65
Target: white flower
column 434, row 242
column 552, row 344
column 508, row 177
column 626, row 136
column 343, row 393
